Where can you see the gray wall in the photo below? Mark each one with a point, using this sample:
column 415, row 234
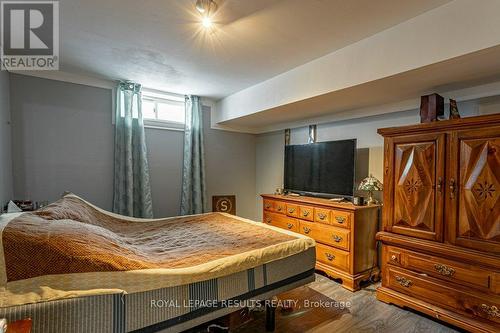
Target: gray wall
column 5, row 141
column 230, row 167
column 63, row 140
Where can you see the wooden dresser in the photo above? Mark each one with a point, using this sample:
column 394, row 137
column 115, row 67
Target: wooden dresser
column 441, row 221
column 345, row 234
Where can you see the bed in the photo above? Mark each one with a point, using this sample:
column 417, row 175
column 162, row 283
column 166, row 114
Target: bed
column 73, row 267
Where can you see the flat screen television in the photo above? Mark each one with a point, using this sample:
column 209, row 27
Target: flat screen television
column 324, row 169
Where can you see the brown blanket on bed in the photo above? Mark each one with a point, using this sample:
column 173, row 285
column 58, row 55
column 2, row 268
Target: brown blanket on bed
column 71, row 236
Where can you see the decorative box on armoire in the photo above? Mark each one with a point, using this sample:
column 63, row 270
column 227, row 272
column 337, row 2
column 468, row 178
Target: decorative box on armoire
column 344, row 234
column 441, row 220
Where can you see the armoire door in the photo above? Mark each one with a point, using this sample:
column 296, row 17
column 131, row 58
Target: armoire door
column 473, row 189
column 415, row 201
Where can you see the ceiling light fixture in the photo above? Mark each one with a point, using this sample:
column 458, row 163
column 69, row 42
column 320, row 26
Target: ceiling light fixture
column 206, row 8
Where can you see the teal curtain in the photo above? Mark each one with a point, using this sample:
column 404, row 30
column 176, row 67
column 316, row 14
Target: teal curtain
column 193, row 199
column 132, row 189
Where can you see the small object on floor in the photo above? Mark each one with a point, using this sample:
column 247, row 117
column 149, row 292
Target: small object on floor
column 235, row 319
column 214, row 328
column 20, row 326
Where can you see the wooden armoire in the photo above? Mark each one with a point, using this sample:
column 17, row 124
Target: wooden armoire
column 441, row 220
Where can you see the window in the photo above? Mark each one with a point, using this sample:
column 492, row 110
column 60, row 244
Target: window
column 161, row 110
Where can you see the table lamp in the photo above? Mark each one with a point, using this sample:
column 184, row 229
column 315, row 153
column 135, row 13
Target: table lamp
column 370, row 184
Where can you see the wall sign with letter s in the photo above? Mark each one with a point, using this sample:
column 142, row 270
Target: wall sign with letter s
column 224, row 204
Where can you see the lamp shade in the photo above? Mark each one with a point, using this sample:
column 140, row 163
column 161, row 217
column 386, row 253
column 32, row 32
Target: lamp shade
column 370, row 184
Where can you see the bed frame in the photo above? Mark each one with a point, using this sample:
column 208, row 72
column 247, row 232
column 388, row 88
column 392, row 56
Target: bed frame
column 120, row 313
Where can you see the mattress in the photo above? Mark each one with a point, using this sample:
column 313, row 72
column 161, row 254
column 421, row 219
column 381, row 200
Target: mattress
column 166, row 309
column 86, row 268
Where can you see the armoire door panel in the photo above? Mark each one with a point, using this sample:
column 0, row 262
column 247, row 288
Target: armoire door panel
column 477, row 221
column 417, row 186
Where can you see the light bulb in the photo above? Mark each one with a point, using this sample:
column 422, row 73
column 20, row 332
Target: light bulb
column 206, row 21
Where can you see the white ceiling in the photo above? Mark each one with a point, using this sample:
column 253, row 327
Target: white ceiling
column 161, row 43
column 456, row 79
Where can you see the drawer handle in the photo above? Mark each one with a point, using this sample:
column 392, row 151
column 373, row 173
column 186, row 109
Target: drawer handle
column 404, row 281
column 289, row 225
column 305, row 213
column 394, row 258
column 280, row 208
column 307, row 230
column 337, row 239
column 440, row 185
column 444, row 270
column 452, row 188
column 268, row 220
column 322, row 216
column 268, row 206
column 291, row 210
column 491, row 311
column 329, row 256
column 340, row 219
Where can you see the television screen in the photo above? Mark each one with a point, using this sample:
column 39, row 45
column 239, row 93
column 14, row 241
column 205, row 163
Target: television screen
column 325, row 168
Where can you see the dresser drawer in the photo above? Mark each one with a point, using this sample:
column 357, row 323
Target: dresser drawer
column 340, row 219
column 325, row 234
column 322, row 215
column 443, row 293
column 280, row 207
column 281, row 221
column 269, row 205
column 306, row 213
column 332, row 256
column 440, row 268
column 292, row 210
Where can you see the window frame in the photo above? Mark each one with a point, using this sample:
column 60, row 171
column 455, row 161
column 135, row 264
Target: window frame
column 157, row 97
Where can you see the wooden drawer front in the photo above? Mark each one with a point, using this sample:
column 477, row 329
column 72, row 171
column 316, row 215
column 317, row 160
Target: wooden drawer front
column 281, row 221
column 449, row 270
column 322, row 215
column 306, row 213
column 268, row 218
column 440, row 268
column 332, row 256
column 341, row 219
column 269, row 205
column 292, row 210
column 328, row 235
column 280, row 207
column 443, row 293
column 495, row 283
